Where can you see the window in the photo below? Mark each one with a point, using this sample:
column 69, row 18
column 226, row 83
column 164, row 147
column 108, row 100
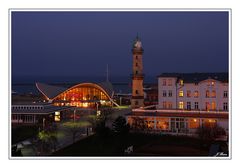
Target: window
column 169, row 93
column 213, row 93
column 196, row 94
column 196, row 105
column 188, row 93
column 136, row 57
column 57, row 116
column 136, row 91
column 164, row 93
column 225, row 94
column 164, row 82
column 180, row 105
column 136, row 64
column 169, row 82
column 225, row 106
column 188, row 105
column 207, row 93
column 169, row 105
column 136, row 72
column 193, row 123
column 181, row 82
column 207, row 106
column 164, row 104
column 213, row 106
column 180, row 93
column 211, row 83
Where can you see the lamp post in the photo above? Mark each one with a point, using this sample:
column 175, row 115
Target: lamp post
column 74, row 113
column 43, row 123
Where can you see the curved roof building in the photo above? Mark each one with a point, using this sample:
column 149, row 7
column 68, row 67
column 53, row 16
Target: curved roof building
column 80, row 95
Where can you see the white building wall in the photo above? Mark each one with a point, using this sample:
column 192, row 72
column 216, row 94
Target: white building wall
column 167, row 88
column 209, row 84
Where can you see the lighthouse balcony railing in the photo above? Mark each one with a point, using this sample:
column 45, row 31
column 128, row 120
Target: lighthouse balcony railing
column 138, row 75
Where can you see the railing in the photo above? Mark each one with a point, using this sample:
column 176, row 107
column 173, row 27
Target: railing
column 179, row 111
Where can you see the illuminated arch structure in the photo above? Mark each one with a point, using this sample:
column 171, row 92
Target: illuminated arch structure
column 85, row 95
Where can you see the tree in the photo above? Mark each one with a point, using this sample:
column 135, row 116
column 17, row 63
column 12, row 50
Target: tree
column 210, row 132
column 120, row 125
column 47, row 141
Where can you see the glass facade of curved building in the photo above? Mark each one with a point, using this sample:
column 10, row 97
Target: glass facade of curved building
column 82, row 96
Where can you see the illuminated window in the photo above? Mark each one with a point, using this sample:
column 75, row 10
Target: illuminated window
column 196, row 105
column 162, row 123
column 169, row 82
column 164, row 104
column 164, row 93
column 207, row 93
column 164, row 82
column 181, row 82
column 207, row 106
column 193, row 123
column 213, row 93
column 188, row 93
column 213, row 106
column 180, row 105
column 57, row 116
column 169, row 105
column 209, row 122
column 180, row 93
column 225, row 94
column 211, row 83
column 196, row 94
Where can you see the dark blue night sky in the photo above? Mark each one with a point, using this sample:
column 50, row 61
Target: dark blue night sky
column 82, row 43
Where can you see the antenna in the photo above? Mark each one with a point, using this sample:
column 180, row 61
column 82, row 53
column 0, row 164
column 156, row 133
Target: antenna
column 107, row 74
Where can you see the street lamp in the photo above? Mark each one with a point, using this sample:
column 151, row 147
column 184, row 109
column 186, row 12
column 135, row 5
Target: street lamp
column 43, row 123
column 74, row 113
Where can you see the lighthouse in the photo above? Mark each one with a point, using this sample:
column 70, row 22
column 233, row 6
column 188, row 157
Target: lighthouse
column 137, row 75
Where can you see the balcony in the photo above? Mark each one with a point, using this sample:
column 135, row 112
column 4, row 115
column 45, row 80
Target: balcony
column 137, row 75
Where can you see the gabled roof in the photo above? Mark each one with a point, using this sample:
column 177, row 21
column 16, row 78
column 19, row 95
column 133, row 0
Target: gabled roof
column 197, row 77
column 50, row 91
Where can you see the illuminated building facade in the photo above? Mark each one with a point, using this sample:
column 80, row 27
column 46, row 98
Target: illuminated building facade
column 84, row 95
column 187, row 102
column 137, row 76
column 193, row 91
column 42, row 114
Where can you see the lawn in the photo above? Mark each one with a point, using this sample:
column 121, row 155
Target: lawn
column 143, row 145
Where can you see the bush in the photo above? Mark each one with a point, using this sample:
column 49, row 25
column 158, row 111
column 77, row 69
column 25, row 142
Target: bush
column 120, row 125
column 210, row 132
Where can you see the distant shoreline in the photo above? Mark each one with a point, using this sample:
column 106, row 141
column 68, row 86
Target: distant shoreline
column 73, row 83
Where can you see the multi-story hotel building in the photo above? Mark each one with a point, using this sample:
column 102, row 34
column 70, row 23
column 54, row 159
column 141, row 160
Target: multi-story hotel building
column 187, row 102
column 193, row 91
